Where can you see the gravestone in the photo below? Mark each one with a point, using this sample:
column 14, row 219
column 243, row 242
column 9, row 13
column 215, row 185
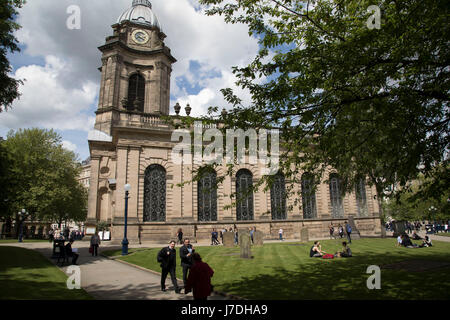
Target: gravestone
column 258, row 238
column 228, row 239
column 244, row 243
column 304, row 234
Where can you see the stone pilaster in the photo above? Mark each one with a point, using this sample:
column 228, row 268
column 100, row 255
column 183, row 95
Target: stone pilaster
column 93, row 190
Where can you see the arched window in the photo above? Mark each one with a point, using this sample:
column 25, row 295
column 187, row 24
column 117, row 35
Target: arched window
column 337, row 208
column 155, row 193
column 207, row 197
column 278, row 198
column 361, row 200
column 136, row 92
column 244, row 195
column 308, row 197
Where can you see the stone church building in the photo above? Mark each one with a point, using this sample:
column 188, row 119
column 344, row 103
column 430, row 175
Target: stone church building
column 131, row 144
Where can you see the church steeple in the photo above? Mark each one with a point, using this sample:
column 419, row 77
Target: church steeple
column 136, row 68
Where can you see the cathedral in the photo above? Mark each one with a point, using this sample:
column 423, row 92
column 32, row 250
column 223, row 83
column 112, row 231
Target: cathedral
column 131, row 145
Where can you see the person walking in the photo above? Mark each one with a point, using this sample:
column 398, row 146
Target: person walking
column 167, row 257
column 50, row 235
column 186, row 252
column 341, row 231
column 199, row 279
column 331, row 228
column 180, row 236
column 236, row 236
column 95, row 243
column 348, row 228
column 280, row 233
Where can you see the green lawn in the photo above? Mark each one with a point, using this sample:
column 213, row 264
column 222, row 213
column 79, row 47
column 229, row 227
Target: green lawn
column 285, row 271
column 25, row 240
column 27, row 275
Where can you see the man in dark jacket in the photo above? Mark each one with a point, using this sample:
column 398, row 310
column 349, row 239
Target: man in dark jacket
column 186, row 252
column 199, row 279
column 70, row 253
column 168, row 259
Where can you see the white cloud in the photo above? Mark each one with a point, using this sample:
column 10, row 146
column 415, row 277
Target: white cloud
column 69, row 145
column 59, row 94
column 46, row 103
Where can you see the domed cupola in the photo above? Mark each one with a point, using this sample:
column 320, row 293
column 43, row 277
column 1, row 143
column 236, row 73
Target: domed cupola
column 140, row 13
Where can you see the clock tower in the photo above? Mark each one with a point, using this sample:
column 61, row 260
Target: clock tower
column 136, row 68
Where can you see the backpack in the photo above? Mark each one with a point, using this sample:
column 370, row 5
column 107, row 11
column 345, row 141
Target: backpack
column 349, row 229
column 327, row 256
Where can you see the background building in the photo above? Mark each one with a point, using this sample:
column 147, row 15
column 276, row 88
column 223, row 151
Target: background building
column 132, row 144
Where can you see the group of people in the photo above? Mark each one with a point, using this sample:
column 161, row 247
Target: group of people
column 196, row 273
column 93, row 249
column 346, row 227
column 404, row 240
column 66, row 234
column 317, row 252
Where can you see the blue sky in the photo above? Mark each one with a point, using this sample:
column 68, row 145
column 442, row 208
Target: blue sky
column 60, row 65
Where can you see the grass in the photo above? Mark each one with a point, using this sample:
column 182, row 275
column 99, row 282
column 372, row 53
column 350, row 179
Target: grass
column 27, row 275
column 285, row 271
column 24, row 240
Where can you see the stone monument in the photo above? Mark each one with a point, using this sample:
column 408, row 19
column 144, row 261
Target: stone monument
column 304, row 234
column 258, row 238
column 228, row 239
column 244, row 243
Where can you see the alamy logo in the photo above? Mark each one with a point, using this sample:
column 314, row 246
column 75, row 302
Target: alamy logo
column 374, row 21
column 374, row 281
column 74, row 280
column 213, row 153
column 74, row 20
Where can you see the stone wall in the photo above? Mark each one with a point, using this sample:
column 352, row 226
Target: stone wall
column 164, row 232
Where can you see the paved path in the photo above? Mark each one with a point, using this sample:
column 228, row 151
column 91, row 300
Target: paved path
column 107, row 279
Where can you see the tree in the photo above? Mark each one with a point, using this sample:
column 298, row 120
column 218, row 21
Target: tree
column 9, row 87
column 367, row 102
column 410, row 205
column 5, row 164
column 43, row 177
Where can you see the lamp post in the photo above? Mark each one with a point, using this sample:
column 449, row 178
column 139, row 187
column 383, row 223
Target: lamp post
column 125, row 240
column 22, row 216
column 432, row 210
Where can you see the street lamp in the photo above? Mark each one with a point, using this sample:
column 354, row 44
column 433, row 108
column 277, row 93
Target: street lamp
column 127, row 188
column 22, row 216
column 432, row 210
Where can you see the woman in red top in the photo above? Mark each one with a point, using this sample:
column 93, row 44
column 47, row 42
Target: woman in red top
column 199, row 278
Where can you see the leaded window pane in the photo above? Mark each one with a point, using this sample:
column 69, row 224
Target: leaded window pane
column 337, row 208
column 155, row 193
column 308, row 197
column 244, row 205
column 278, row 198
column 207, row 197
column 136, row 92
column 361, row 199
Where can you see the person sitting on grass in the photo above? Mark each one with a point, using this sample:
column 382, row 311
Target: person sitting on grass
column 426, row 243
column 316, row 250
column 415, row 236
column 406, row 242
column 399, row 240
column 345, row 253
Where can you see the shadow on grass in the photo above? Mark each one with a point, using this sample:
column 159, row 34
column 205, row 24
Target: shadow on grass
column 26, row 274
column 335, row 279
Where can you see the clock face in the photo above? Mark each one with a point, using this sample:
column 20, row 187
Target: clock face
column 140, row 36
